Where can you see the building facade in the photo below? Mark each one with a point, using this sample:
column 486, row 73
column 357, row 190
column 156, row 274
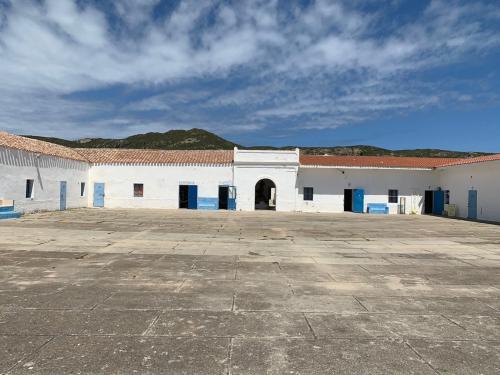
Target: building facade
column 42, row 176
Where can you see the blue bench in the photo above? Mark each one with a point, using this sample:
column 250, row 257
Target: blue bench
column 7, row 210
column 378, row 208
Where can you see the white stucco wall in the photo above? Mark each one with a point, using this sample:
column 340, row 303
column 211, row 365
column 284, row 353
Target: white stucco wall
column 161, row 183
column 47, row 172
column 483, row 177
column 251, row 166
column 329, row 185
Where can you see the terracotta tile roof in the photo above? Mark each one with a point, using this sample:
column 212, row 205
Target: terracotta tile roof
column 115, row 156
column 374, row 161
column 479, row 159
column 38, row 147
column 129, row 156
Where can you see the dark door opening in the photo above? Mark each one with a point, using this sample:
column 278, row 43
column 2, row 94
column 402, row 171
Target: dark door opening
column 223, row 197
column 183, row 196
column 428, row 202
column 265, row 195
column 348, row 200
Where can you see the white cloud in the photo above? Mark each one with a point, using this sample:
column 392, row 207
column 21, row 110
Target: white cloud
column 135, row 13
column 329, row 61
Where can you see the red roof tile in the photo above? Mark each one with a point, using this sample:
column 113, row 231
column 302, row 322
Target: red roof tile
column 374, row 161
column 38, row 147
column 479, row 159
column 129, row 156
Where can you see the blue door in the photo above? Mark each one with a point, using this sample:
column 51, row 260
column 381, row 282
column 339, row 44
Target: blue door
column 98, row 194
column 472, row 206
column 62, row 195
column 193, row 197
column 231, row 200
column 359, row 201
column 438, row 203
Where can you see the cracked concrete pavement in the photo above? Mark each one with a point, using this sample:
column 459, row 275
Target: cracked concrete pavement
column 190, row 292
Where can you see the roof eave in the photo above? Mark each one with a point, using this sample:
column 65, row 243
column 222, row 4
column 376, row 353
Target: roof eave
column 365, row 167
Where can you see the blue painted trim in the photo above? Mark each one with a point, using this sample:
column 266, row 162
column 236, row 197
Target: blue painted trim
column 359, row 201
column 192, row 197
column 98, row 194
column 62, row 195
column 438, row 202
column 6, row 208
column 377, row 208
column 10, row 215
column 472, row 205
column 208, row 203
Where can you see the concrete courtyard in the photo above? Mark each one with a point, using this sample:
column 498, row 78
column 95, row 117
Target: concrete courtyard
column 190, row 292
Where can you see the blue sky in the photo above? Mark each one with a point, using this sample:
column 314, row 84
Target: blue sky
column 396, row 73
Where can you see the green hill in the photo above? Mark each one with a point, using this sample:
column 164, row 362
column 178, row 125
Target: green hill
column 363, row 150
column 194, row 139
column 198, row 139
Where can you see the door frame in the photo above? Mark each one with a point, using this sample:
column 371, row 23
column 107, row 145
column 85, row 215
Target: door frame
column 428, row 202
column 192, row 197
column 223, row 203
column 358, row 201
column 231, row 200
column 97, row 199
column 63, row 190
column 472, row 209
column 183, row 189
column 348, row 200
column 438, row 202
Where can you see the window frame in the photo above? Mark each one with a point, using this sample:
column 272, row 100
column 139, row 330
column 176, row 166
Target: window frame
column 30, row 186
column 393, row 198
column 136, row 192
column 308, row 193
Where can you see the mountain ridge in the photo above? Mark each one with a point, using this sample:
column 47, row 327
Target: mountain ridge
column 199, row 139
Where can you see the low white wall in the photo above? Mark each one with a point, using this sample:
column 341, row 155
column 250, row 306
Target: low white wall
column 329, row 185
column 161, row 183
column 47, row 172
column 483, row 177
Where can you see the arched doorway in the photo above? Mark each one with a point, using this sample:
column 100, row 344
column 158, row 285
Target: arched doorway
column 265, row 195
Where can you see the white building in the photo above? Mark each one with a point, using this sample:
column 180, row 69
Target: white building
column 43, row 176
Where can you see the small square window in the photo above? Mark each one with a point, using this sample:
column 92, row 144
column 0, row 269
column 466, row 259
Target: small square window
column 138, row 190
column 29, row 188
column 308, row 193
column 393, row 196
column 82, row 189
